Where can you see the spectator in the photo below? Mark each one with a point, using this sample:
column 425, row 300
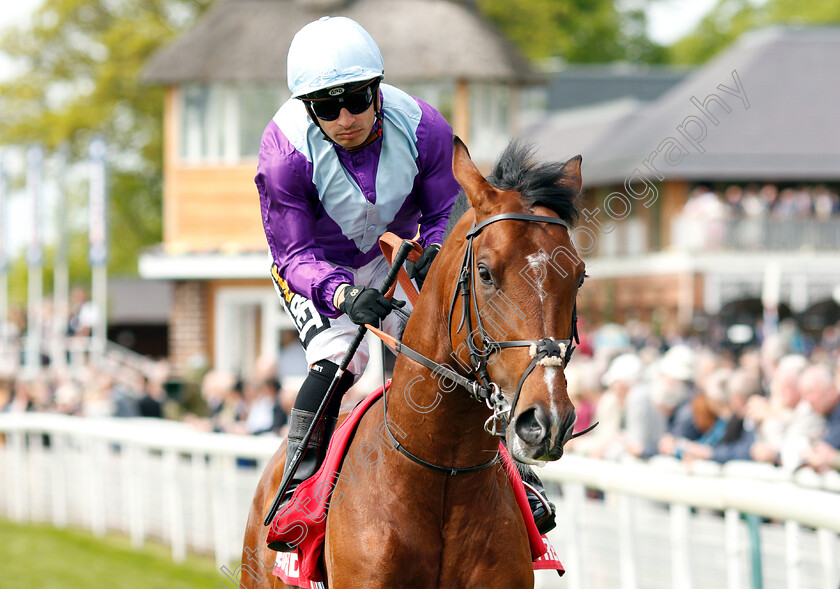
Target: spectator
column 732, row 197
column 266, row 414
column 820, row 391
column 702, row 420
column 229, row 415
column 5, row 395
column 151, row 401
column 580, row 394
column 68, row 398
column 607, row 440
column 739, row 433
column 21, row 400
column 83, row 313
column 676, row 373
column 665, row 395
column 96, row 398
column 703, row 203
column 786, row 423
column 825, row 203
column 752, row 204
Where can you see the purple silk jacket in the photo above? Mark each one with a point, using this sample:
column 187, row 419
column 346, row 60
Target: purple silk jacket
column 324, row 208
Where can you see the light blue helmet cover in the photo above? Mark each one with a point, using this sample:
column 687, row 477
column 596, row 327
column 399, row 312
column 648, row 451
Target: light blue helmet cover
column 329, row 52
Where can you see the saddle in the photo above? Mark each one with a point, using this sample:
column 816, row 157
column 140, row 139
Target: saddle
column 302, row 521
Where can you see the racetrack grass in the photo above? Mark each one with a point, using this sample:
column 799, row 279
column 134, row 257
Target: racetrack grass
column 41, row 557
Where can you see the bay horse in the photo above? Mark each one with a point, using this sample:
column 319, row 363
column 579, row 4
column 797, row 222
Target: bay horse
column 402, row 523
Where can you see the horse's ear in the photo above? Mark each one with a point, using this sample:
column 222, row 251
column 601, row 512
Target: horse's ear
column 468, row 175
column 571, row 178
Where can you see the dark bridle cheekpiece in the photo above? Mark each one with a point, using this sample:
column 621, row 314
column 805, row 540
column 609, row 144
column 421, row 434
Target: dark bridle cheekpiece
column 546, row 352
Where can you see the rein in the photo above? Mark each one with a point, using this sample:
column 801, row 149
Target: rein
column 544, row 352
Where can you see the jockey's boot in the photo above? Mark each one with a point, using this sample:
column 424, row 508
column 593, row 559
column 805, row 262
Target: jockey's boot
column 311, row 393
column 543, row 509
column 299, row 423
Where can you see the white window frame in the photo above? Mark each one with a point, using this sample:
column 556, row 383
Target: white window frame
column 227, row 353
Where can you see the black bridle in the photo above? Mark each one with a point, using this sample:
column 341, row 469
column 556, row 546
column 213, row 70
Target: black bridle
column 547, row 351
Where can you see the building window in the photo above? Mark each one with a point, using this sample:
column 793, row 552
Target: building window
column 440, row 96
column 490, row 128
column 257, row 105
column 222, row 123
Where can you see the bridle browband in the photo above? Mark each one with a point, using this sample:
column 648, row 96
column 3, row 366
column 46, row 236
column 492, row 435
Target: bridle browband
column 546, row 352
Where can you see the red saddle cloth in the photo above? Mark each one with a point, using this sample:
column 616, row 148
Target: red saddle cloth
column 302, row 521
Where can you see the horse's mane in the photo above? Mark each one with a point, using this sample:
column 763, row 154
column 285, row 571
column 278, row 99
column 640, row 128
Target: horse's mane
column 537, row 182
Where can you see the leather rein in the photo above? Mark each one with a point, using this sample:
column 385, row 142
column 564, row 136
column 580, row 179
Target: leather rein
column 544, row 352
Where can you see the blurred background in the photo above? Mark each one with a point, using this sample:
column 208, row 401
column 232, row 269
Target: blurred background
column 138, row 324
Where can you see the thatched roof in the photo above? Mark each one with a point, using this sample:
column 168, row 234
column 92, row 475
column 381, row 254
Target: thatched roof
column 421, row 40
column 788, row 133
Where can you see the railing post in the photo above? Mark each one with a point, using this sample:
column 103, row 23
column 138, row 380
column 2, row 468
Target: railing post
column 680, row 548
column 58, row 479
column 174, row 505
column 229, row 484
column 35, row 442
column 735, row 548
column 200, row 492
column 829, row 556
column 627, row 552
column 754, row 527
column 219, row 508
column 793, row 557
column 574, row 495
column 98, row 468
column 137, row 458
column 18, row 483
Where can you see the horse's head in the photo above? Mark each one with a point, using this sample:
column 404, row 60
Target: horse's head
column 524, row 275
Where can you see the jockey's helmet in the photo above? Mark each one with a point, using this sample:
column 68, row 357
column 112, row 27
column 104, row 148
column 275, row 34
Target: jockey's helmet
column 330, row 52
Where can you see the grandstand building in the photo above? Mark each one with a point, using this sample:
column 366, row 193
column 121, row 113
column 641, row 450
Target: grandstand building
column 718, row 198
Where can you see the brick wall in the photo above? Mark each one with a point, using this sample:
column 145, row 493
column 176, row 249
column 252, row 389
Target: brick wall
column 189, row 326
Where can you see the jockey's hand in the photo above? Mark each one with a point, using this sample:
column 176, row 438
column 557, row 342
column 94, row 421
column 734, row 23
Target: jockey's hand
column 418, row 270
column 365, row 305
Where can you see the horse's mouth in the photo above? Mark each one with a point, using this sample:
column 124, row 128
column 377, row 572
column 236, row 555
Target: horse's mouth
column 536, row 454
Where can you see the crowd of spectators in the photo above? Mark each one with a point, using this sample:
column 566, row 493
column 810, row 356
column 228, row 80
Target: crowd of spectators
column 225, row 403
column 768, row 201
column 777, row 402
column 765, row 404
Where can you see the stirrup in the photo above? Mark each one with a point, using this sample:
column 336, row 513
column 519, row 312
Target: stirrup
column 542, row 509
column 279, row 545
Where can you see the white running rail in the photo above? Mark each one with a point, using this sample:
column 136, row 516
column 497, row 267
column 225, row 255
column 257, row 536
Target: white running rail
column 620, row 525
column 668, row 524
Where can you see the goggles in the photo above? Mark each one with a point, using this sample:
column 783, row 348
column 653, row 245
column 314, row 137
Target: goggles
column 356, row 102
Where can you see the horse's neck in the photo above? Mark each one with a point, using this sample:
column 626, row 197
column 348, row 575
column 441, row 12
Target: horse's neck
column 446, row 428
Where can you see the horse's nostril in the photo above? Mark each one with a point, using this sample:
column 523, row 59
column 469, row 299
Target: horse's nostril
column 532, row 425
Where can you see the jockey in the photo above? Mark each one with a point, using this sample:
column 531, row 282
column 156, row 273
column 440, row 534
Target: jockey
column 345, row 160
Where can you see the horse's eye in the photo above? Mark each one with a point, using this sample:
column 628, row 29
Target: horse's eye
column 484, row 275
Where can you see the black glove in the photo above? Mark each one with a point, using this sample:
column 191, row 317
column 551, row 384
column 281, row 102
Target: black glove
column 418, row 270
column 366, row 305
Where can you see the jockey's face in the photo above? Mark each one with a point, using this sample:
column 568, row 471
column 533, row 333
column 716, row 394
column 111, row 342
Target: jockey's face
column 349, row 130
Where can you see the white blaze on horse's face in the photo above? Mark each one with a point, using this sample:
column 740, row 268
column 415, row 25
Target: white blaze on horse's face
column 538, row 262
